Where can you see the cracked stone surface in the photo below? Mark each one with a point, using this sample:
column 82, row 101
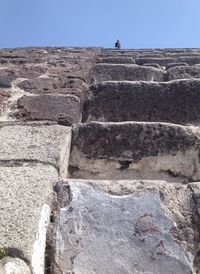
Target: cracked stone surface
column 28, row 144
column 23, row 224
column 132, row 231
column 135, row 150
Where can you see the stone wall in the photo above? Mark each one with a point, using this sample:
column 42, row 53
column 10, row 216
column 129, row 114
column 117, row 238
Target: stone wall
column 99, row 161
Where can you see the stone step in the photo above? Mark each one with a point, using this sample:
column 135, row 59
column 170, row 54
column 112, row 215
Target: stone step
column 135, row 150
column 117, row 60
column 120, row 72
column 64, row 109
column 183, row 72
column 128, row 223
column 174, row 102
column 161, row 61
column 35, row 144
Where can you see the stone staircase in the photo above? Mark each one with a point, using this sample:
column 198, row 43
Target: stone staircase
column 100, row 161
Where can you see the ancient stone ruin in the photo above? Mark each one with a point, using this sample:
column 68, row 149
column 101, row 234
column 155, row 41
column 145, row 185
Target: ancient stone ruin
column 99, row 161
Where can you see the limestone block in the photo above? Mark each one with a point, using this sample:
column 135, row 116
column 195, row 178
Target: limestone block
column 28, row 145
column 26, row 196
column 9, row 265
column 183, row 72
column 161, row 61
column 117, row 60
column 191, row 60
column 135, row 150
column 116, row 72
column 100, row 232
column 3, row 96
column 64, row 109
column 61, row 85
column 172, row 65
column 175, row 102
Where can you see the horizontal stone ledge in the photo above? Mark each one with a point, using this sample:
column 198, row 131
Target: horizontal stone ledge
column 133, row 230
column 65, row 110
column 126, row 72
column 26, row 196
column 161, row 61
column 183, row 72
column 117, row 60
column 47, row 145
column 135, row 150
column 118, row 101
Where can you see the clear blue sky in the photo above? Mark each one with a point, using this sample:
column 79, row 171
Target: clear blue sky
column 137, row 23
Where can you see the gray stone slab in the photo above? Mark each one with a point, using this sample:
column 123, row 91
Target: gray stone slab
column 175, row 102
column 135, row 150
column 117, row 60
column 65, row 110
column 117, row 72
column 183, row 72
column 49, row 145
column 161, row 61
column 26, row 196
column 103, row 233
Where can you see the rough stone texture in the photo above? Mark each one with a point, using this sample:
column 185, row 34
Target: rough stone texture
column 6, row 80
column 160, row 61
column 50, row 85
column 100, row 233
column 176, row 102
column 3, row 96
column 172, row 65
column 191, row 60
column 9, row 265
column 135, row 150
column 23, row 224
column 117, row 60
column 183, row 72
column 109, row 72
column 49, row 145
column 64, row 109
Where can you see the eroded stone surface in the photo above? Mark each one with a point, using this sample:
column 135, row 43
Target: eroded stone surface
column 117, row 60
column 135, row 150
column 109, row 72
column 9, row 265
column 49, row 145
column 64, row 109
column 103, row 233
column 183, row 72
column 26, row 196
column 175, row 102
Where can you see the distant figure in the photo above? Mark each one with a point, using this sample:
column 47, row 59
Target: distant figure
column 117, row 45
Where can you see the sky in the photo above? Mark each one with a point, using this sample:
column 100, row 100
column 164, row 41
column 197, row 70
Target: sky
column 136, row 23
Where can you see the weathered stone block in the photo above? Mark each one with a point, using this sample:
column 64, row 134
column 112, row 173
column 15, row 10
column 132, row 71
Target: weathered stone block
column 26, row 196
column 117, row 60
column 6, row 79
column 100, row 232
column 110, row 72
column 175, row 102
column 63, row 109
column 183, row 72
column 134, row 150
column 49, row 145
column 9, row 265
column 160, row 61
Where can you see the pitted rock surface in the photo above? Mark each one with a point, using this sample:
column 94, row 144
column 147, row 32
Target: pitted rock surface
column 63, row 109
column 118, row 101
column 131, row 231
column 9, row 265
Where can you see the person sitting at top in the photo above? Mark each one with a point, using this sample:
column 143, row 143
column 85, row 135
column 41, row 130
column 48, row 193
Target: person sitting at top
column 117, row 45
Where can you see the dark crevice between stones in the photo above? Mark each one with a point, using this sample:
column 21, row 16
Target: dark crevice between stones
column 124, row 164
column 61, row 198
